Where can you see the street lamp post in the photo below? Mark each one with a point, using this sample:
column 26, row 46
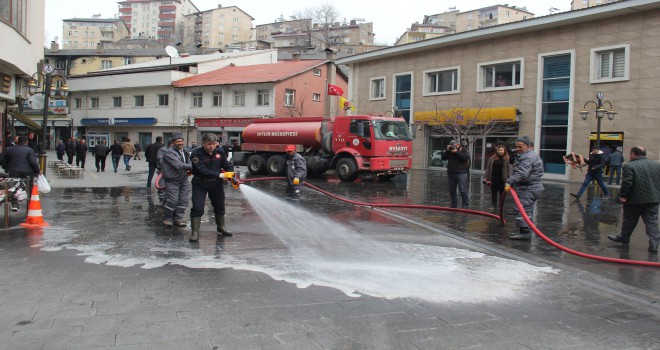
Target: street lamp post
column 600, row 112
column 47, row 88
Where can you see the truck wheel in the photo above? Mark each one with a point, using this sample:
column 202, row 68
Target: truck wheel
column 347, row 169
column 275, row 165
column 256, row 164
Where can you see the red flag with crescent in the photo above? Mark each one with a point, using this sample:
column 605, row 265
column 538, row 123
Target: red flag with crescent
column 335, row 90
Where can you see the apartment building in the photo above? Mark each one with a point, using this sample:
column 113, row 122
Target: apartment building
column 22, row 32
column 217, row 28
column 87, row 33
column 265, row 32
column 419, row 32
column 157, row 19
column 532, row 77
column 580, row 4
column 302, row 36
column 138, row 101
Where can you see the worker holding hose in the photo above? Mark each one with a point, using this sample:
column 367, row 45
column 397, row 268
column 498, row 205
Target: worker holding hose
column 296, row 172
column 210, row 168
column 526, row 178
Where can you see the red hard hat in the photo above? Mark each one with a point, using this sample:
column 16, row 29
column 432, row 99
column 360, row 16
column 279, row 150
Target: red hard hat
column 290, row 148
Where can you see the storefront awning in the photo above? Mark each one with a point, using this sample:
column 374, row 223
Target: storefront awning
column 618, row 136
column 463, row 115
column 31, row 124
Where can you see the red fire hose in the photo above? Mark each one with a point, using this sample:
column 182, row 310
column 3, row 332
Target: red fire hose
column 499, row 217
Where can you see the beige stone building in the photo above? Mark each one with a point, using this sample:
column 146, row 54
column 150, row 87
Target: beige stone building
column 580, row 4
column 534, row 76
column 87, row 33
column 217, row 28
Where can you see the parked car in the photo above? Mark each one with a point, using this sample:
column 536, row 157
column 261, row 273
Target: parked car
column 436, row 158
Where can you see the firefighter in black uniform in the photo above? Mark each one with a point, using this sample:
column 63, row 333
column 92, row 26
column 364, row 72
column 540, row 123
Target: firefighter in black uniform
column 210, row 168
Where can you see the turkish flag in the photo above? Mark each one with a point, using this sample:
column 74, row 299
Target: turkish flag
column 335, row 90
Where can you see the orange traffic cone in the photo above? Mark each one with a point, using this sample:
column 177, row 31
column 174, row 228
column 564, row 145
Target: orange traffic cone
column 34, row 216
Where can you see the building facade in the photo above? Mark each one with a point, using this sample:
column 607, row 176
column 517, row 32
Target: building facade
column 581, row 4
column 139, row 102
column 156, row 19
column 22, row 30
column 217, row 28
column 535, row 75
column 87, row 33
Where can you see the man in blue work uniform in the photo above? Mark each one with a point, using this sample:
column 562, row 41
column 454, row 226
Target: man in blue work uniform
column 175, row 165
column 526, row 178
column 210, row 168
column 296, row 172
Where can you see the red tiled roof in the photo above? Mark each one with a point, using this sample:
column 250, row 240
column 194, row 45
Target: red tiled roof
column 260, row 73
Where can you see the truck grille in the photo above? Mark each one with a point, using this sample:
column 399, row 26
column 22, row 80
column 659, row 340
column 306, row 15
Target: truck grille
column 398, row 163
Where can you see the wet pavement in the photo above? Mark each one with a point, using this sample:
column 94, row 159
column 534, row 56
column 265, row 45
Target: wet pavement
column 106, row 274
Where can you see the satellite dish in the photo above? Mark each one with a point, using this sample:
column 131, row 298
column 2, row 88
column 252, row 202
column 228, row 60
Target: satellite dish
column 172, row 51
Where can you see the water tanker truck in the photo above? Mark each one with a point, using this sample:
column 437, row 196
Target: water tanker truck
column 349, row 145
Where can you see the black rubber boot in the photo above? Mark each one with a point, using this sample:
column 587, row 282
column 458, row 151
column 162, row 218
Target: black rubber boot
column 195, row 223
column 524, row 234
column 220, row 226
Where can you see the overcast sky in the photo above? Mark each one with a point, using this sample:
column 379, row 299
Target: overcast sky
column 390, row 21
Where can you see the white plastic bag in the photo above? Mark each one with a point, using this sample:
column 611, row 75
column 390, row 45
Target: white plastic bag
column 42, row 184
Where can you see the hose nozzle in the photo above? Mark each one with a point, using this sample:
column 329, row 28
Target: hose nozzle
column 236, row 180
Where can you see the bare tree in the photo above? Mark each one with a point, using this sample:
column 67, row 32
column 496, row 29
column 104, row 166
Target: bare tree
column 295, row 110
column 324, row 16
column 465, row 124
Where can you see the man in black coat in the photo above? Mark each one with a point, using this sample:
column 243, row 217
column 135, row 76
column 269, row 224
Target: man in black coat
column 116, row 151
column 151, row 154
column 70, row 149
column 101, row 152
column 81, row 153
column 20, row 161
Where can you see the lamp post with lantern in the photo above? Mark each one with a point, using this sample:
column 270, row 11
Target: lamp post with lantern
column 50, row 86
column 600, row 111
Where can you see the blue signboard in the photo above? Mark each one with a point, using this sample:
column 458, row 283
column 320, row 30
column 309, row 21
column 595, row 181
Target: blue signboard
column 118, row 121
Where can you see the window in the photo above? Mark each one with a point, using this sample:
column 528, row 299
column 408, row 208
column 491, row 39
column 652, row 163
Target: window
column 610, row 64
column 77, row 103
column 439, row 82
column 116, row 101
column 60, row 64
column 500, row 75
column 139, row 101
column 94, row 102
column 289, row 97
column 316, row 97
column 316, row 72
column 239, row 98
column 377, row 89
column 217, row 98
column 263, row 97
column 197, row 99
column 555, row 111
column 14, row 13
column 127, row 60
column 163, row 99
column 105, row 64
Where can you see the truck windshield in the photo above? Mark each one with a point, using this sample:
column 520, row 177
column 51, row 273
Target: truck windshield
column 391, row 130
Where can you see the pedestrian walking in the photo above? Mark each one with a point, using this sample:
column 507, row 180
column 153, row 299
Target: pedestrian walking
column 81, row 153
column 595, row 163
column 526, row 179
column 128, row 152
column 115, row 152
column 138, row 149
column 70, row 149
column 616, row 162
column 151, row 155
column 32, row 142
column 640, row 196
column 296, row 172
column 458, row 165
column 175, row 166
column 498, row 169
column 20, row 161
column 101, row 152
column 60, row 150
column 209, row 168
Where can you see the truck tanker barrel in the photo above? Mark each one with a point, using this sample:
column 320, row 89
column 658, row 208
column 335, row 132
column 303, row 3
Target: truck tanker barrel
column 298, row 131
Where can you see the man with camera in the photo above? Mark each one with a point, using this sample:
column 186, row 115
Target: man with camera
column 458, row 165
